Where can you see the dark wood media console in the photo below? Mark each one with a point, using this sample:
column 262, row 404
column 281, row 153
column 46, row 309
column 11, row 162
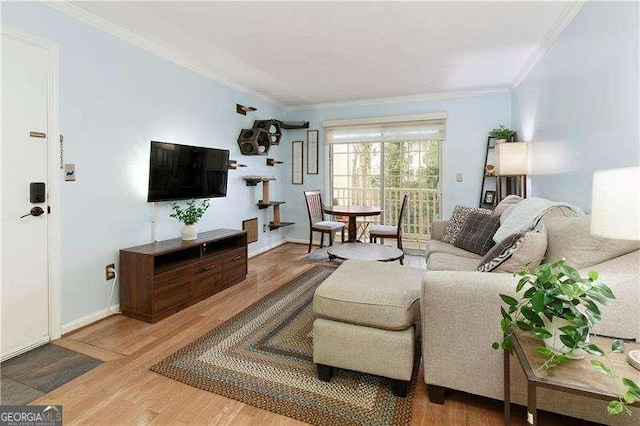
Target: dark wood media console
column 159, row 279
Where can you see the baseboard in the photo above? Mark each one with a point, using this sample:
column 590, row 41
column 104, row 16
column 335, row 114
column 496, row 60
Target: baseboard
column 267, row 248
column 88, row 319
column 299, row 241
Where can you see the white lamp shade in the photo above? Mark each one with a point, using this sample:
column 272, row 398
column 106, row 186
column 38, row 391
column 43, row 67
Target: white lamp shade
column 615, row 203
column 511, row 158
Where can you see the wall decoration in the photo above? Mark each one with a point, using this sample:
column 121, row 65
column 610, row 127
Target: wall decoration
column 489, row 197
column 297, row 171
column 312, row 152
column 251, row 226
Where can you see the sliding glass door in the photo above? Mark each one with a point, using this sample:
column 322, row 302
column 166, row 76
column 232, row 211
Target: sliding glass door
column 380, row 173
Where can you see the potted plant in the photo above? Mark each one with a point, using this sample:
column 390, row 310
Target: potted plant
column 189, row 216
column 501, row 134
column 561, row 307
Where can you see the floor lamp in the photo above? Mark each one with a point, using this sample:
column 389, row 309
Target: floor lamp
column 512, row 163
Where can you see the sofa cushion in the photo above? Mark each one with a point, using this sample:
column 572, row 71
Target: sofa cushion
column 570, row 237
column 450, row 262
column 524, row 250
column 435, row 246
column 477, row 232
column 373, row 294
column 507, row 202
column 458, row 217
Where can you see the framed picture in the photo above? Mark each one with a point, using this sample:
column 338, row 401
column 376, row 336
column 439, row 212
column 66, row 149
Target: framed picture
column 489, row 197
column 297, row 171
column 312, row 152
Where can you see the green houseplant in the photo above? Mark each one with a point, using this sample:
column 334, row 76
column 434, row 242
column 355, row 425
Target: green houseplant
column 556, row 292
column 502, row 133
column 189, row 216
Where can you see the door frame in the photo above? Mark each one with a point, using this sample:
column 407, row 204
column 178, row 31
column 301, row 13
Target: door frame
column 54, row 175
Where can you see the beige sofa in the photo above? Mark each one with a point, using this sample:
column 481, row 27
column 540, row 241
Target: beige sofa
column 460, row 314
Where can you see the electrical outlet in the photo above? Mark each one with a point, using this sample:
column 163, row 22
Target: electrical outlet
column 264, row 228
column 459, row 177
column 109, row 274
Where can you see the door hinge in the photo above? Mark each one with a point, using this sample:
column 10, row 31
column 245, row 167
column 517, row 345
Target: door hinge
column 61, row 152
column 48, row 209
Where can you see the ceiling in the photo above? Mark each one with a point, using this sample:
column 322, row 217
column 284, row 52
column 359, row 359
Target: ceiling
column 302, row 53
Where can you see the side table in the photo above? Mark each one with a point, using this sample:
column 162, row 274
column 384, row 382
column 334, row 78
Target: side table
column 576, row 377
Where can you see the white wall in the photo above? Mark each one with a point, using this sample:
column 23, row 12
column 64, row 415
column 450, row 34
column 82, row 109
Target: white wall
column 468, row 121
column 114, row 99
column 580, row 104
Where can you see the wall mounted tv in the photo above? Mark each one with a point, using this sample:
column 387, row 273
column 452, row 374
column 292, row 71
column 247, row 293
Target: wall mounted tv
column 179, row 172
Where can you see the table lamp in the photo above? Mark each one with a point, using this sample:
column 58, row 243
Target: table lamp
column 615, row 212
column 512, row 161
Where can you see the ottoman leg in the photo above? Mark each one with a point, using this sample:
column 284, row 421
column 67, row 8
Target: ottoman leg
column 436, row 394
column 325, row 372
column 399, row 387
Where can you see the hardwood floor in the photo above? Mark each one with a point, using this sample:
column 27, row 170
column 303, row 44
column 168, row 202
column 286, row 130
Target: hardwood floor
column 124, row 391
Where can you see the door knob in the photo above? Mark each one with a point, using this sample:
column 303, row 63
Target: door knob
column 36, row 211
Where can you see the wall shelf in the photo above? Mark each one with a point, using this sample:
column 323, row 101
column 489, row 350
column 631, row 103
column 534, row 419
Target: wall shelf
column 262, row 205
column 273, row 226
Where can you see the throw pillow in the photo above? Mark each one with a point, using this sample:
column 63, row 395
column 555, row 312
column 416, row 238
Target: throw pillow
column 477, row 232
column 458, row 217
column 507, row 202
column 524, row 250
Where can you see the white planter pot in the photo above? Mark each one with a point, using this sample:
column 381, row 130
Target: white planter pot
column 189, row 232
column 555, row 343
column 501, row 140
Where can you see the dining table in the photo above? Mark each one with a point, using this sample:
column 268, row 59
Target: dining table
column 352, row 212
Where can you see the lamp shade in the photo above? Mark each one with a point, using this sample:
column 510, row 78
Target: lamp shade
column 615, row 204
column 511, row 158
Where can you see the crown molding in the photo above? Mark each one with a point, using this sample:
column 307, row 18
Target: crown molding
column 137, row 40
column 403, row 99
column 567, row 15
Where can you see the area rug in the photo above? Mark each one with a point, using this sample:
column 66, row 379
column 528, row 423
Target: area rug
column 263, row 357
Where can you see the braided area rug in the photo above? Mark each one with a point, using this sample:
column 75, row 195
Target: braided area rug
column 263, row 357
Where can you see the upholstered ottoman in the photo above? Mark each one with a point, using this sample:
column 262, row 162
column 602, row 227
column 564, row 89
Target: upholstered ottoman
column 366, row 315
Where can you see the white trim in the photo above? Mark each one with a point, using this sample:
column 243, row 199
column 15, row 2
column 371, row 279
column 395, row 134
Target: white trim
column 297, row 241
column 54, row 175
column 402, row 99
column 137, row 40
column 25, row 349
column 385, row 119
column 267, row 248
column 567, row 15
column 91, row 318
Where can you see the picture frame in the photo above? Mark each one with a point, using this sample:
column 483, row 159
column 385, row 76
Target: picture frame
column 312, row 152
column 489, row 197
column 297, row 158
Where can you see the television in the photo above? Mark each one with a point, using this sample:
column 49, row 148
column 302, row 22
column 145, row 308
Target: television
column 179, row 172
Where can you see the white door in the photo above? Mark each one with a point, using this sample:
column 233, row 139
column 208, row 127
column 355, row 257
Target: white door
column 25, row 136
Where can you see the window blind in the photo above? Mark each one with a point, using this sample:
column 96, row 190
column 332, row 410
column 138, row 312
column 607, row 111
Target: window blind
column 387, row 132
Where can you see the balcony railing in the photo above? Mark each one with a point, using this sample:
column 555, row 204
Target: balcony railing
column 422, row 209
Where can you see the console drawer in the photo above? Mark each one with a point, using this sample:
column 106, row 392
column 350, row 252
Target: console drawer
column 207, row 268
column 234, row 259
column 172, row 297
column 172, row 279
column 234, row 275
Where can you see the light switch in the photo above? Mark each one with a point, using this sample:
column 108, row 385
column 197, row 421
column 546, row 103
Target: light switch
column 458, row 177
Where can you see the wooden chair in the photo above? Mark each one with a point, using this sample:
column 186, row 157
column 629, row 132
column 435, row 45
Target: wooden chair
column 316, row 219
column 387, row 231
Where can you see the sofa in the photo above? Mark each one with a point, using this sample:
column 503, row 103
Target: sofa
column 460, row 313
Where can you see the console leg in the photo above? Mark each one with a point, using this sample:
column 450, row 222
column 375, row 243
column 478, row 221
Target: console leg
column 325, row 372
column 399, row 387
column 436, row 394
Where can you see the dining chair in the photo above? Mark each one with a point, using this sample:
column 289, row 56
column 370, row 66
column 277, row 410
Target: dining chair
column 316, row 219
column 389, row 231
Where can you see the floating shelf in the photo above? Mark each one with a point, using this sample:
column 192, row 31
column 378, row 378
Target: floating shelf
column 253, row 180
column 273, row 226
column 262, row 205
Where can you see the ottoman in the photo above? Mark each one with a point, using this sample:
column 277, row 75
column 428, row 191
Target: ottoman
column 366, row 314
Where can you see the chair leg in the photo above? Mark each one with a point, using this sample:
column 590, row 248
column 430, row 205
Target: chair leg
column 399, row 242
column 330, row 238
column 370, row 238
column 322, row 239
column 325, row 372
column 310, row 241
column 342, row 235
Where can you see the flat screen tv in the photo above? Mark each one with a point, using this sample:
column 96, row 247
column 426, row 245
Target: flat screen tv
column 179, row 172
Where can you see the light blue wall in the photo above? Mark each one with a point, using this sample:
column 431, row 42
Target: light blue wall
column 580, row 104
column 114, row 99
column 468, row 121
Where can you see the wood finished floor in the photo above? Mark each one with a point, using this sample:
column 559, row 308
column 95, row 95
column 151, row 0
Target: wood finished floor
column 124, row 391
